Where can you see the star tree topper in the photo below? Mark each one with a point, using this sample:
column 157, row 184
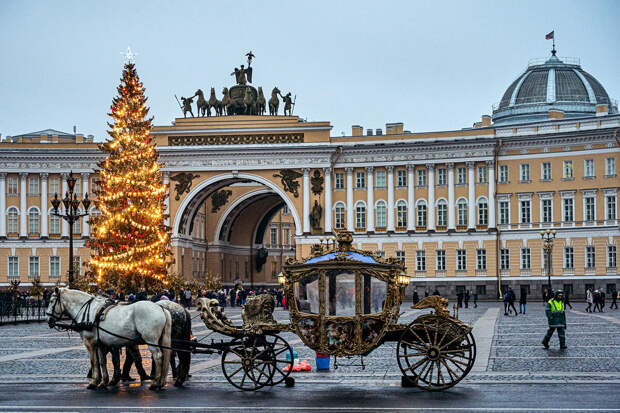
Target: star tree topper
column 129, row 55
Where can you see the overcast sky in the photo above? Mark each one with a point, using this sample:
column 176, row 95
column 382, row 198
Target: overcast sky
column 435, row 65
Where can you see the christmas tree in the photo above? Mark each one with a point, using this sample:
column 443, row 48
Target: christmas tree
column 129, row 241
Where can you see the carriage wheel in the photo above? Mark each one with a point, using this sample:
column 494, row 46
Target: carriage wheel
column 247, row 364
column 435, row 354
column 280, row 366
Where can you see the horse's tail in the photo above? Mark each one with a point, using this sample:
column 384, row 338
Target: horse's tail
column 185, row 357
column 165, row 342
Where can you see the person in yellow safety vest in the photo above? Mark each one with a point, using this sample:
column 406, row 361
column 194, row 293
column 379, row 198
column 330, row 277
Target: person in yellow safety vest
column 556, row 318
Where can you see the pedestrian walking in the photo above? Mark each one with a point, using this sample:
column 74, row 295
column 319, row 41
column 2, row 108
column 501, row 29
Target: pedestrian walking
column 614, row 298
column 597, row 300
column 512, row 297
column 467, row 299
column 415, row 297
column 475, row 299
column 589, row 300
column 459, row 299
column 567, row 299
column 556, row 318
column 602, row 301
column 506, row 309
column 188, row 298
column 523, row 302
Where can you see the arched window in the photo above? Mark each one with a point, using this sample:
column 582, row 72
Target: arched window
column 401, row 214
column 13, row 220
column 33, row 221
column 421, row 213
column 54, row 223
column 461, row 206
column 339, row 214
column 442, row 213
column 381, row 214
column 483, row 212
column 360, row 215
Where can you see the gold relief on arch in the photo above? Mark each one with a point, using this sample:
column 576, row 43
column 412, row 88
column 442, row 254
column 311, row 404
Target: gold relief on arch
column 235, row 139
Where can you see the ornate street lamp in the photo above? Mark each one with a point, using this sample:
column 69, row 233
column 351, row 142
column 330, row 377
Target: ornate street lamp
column 71, row 214
column 548, row 236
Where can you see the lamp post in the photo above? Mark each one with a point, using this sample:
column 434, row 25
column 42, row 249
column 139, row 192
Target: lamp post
column 71, row 215
column 548, row 236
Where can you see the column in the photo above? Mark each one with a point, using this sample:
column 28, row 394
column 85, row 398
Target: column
column 85, row 228
column 431, row 196
column 471, row 217
column 2, row 204
column 410, row 198
column 23, row 227
column 349, row 172
column 328, row 200
column 167, row 200
column 306, row 200
column 44, row 206
column 451, row 220
column 370, row 199
column 65, row 188
column 491, row 169
column 390, row 205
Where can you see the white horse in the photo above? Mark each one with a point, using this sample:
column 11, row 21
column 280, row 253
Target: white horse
column 143, row 321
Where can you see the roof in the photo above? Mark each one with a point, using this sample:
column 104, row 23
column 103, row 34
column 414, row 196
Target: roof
column 49, row 132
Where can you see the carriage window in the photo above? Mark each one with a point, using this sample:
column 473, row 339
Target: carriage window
column 373, row 297
column 307, row 294
column 340, row 293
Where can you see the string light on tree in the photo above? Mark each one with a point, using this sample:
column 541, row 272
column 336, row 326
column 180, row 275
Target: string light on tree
column 131, row 244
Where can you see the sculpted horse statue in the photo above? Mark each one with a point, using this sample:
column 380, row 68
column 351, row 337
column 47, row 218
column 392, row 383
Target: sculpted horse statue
column 260, row 102
column 202, row 105
column 249, row 105
column 274, row 102
column 226, row 102
column 215, row 104
column 122, row 325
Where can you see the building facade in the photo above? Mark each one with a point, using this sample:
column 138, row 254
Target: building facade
column 463, row 209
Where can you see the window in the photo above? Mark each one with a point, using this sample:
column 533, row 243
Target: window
column 569, row 258
column 421, row 214
column 421, row 177
column 503, row 174
column 339, row 215
column 462, row 212
column 33, row 267
column 483, row 212
column 461, row 176
column 400, row 255
column 525, row 211
column 546, row 171
column 441, row 260
column 442, row 213
column 441, row 176
column 590, row 257
column 77, row 266
column 611, row 256
column 588, row 167
column 525, row 259
column 13, row 267
column 33, row 185
column 360, row 180
column 54, row 186
column 285, row 210
column 461, row 260
column 568, row 209
column 504, row 212
column 504, row 259
column 273, row 237
column 13, row 220
column 401, row 178
column 381, row 254
column 420, row 259
column 381, row 214
column 54, row 224
column 567, row 169
column 360, row 215
column 338, row 180
column 77, row 225
column 12, row 185
column 525, row 172
column 54, row 267
column 482, row 174
column 481, row 259
column 611, row 207
column 401, row 214
column 610, row 167
column 381, row 179
column 547, row 210
column 33, row 221
column 589, row 211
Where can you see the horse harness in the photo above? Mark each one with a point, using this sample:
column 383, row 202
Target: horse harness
column 82, row 321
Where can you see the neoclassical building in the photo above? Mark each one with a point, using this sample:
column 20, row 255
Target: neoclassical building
column 463, row 209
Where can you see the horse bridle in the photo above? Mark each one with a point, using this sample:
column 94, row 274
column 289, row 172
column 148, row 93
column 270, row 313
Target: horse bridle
column 54, row 317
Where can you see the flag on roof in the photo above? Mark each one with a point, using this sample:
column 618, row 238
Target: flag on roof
column 549, row 35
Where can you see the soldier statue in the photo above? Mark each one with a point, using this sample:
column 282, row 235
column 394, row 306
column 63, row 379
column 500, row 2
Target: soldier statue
column 288, row 104
column 187, row 106
column 242, row 75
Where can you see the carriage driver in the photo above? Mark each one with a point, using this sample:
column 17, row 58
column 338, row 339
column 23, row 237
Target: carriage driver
column 556, row 318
